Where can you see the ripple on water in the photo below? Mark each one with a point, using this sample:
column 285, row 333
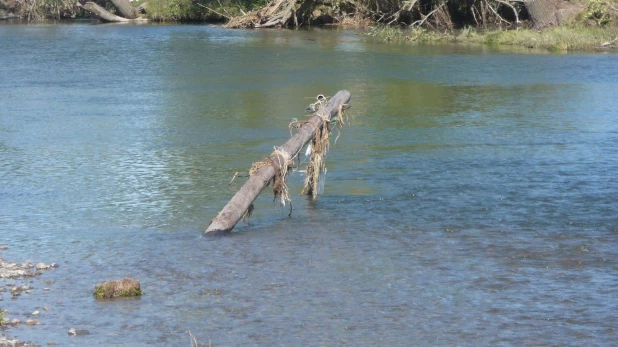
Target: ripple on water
column 461, row 204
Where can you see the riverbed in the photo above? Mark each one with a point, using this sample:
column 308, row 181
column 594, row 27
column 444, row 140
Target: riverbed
column 470, row 199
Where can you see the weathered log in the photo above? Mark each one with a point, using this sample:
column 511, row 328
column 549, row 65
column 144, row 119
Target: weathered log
column 240, row 203
column 107, row 16
column 124, row 8
column 549, row 13
column 102, row 13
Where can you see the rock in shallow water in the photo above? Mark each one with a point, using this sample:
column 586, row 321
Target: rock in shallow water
column 75, row 332
column 118, row 288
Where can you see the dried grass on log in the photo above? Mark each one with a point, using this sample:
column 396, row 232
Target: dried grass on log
column 278, row 13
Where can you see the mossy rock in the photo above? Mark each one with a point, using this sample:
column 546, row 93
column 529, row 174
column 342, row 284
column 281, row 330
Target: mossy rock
column 127, row 287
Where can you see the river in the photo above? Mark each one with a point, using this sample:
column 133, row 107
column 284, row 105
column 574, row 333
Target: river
column 470, row 200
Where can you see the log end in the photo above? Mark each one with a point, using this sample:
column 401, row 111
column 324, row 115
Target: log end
column 216, row 229
column 216, row 232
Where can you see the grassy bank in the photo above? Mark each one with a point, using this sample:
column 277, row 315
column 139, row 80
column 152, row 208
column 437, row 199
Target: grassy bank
column 560, row 39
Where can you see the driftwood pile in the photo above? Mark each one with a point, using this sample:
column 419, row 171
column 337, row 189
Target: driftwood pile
column 277, row 14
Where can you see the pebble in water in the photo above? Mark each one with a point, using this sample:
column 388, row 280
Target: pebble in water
column 75, row 332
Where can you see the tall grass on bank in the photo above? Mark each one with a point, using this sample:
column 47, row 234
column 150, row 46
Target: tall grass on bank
column 560, row 39
column 197, row 10
column 48, row 9
column 174, row 10
column 397, row 35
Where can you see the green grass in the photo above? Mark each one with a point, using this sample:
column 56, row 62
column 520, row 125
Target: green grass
column 561, row 39
column 174, row 10
column 117, row 289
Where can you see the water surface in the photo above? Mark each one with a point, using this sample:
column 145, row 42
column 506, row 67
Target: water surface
column 470, row 200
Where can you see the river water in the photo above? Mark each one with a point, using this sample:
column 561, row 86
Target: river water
column 471, row 198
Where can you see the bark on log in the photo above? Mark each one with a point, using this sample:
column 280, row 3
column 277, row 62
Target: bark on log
column 124, row 8
column 107, row 16
column 549, row 13
column 239, row 204
column 102, row 13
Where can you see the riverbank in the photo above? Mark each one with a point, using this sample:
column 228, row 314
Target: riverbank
column 17, row 279
column 555, row 40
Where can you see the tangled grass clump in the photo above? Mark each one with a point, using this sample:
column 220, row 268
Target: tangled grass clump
column 117, row 288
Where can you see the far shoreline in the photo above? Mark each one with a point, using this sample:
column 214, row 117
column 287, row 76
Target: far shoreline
column 557, row 40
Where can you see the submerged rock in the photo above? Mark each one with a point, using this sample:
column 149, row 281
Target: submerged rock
column 5, row 341
column 16, row 272
column 75, row 332
column 27, row 269
column 117, row 288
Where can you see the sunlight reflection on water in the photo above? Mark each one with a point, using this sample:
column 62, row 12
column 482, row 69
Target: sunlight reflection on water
column 466, row 202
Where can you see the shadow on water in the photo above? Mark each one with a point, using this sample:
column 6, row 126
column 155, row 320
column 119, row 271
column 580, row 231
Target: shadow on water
column 469, row 200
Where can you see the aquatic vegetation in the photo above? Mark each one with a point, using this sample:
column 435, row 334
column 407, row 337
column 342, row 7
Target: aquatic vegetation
column 554, row 40
column 558, row 39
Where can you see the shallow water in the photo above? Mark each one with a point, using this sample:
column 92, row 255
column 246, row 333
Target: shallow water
column 470, row 200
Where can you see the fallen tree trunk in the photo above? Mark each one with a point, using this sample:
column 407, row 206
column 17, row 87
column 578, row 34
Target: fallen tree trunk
column 125, row 9
column 550, row 13
column 107, row 16
column 103, row 14
column 242, row 201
